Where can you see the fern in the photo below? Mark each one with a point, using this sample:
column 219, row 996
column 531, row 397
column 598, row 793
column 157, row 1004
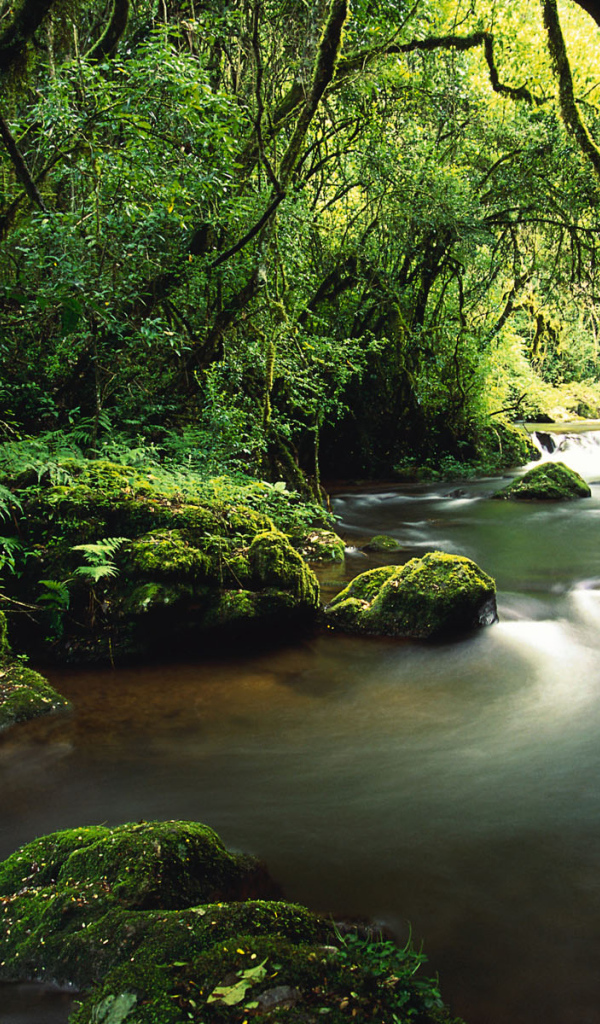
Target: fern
column 7, row 499
column 94, row 573
column 56, row 595
column 99, row 553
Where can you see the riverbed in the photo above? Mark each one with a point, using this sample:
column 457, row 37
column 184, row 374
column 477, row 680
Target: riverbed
column 453, row 789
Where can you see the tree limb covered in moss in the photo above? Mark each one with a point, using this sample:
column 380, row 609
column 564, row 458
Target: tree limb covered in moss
column 25, row 22
column 360, row 61
column 568, row 107
column 19, row 165
column 323, row 75
column 107, row 44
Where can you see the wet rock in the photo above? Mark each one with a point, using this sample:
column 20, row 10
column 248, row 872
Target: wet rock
column 322, row 546
column 437, row 595
column 24, row 693
column 552, row 481
column 115, row 912
column 383, row 544
column 546, row 441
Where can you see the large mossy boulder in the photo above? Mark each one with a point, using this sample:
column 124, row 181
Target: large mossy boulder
column 434, row 596
column 158, row 924
column 126, row 564
column 552, row 481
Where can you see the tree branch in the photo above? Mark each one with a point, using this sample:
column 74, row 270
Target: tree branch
column 20, row 166
column 13, row 40
column 568, row 108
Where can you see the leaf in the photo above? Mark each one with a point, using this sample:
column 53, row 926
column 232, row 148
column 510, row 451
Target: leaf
column 96, row 572
column 114, row 1009
column 230, row 995
column 256, row 973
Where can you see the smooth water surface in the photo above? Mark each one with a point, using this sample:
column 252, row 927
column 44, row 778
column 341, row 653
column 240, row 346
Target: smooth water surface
column 455, row 786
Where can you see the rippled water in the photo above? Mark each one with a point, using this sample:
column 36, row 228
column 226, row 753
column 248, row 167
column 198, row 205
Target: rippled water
column 455, row 787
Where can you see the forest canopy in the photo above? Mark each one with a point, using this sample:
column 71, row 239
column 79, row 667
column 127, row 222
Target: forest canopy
column 298, row 237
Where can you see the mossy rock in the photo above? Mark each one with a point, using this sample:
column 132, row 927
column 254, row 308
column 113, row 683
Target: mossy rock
column 552, row 481
column 25, row 694
column 322, row 546
column 437, row 595
column 274, row 563
column 57, row 886
column 511, row 445
column 114, row 912
column 382, row 544
column 185, row 567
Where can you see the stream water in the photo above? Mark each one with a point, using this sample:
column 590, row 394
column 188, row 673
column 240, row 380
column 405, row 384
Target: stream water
column 454, row 787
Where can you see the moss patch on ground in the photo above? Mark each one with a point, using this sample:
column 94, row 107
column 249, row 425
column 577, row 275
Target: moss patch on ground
column 437, row 595
column 159, row 924
column 551, row 481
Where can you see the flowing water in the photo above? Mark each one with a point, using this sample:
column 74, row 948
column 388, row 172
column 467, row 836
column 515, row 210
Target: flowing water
column 455, row 787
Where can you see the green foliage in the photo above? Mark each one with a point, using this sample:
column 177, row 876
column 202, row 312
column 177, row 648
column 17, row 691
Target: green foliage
column 434, row 258
column 395, row 968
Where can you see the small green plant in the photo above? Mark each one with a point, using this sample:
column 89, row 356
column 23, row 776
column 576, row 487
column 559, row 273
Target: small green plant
column 55, row 600
column 98, row 556
column 394, row 968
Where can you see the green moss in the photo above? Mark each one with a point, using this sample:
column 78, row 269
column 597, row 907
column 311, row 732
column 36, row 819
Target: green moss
column 322, row 546
column 169, row 554
column 433, row 596
column 551, row 481
column 505, row 445
column 383, row 544
column 25, row 694
column 113, row 911
column 5, row 651
column 193, row 562
column 62, row 896
column 274, row 563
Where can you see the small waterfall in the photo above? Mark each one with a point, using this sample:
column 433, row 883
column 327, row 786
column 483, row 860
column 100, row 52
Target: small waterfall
column 577, row 446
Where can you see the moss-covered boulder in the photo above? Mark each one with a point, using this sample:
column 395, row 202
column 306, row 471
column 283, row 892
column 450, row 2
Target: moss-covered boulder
column 437, row 595
column 131, row 916
column 24, row 694
column 322, row 546
column 552, row 481
column 381, row 544
column 125, row 564
column 57, row 886
column 505, row 445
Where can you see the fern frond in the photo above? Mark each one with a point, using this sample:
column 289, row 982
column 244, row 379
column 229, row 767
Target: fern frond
column 7, row 498
column 100, row 552
column 56, row 595
column 96, row 572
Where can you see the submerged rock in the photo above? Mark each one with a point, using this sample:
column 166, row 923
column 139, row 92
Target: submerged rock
column 552, row 481
column 158, row 922
column 382, row 544
column 437, row 595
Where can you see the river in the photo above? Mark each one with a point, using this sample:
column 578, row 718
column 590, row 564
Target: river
column 453, row 789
